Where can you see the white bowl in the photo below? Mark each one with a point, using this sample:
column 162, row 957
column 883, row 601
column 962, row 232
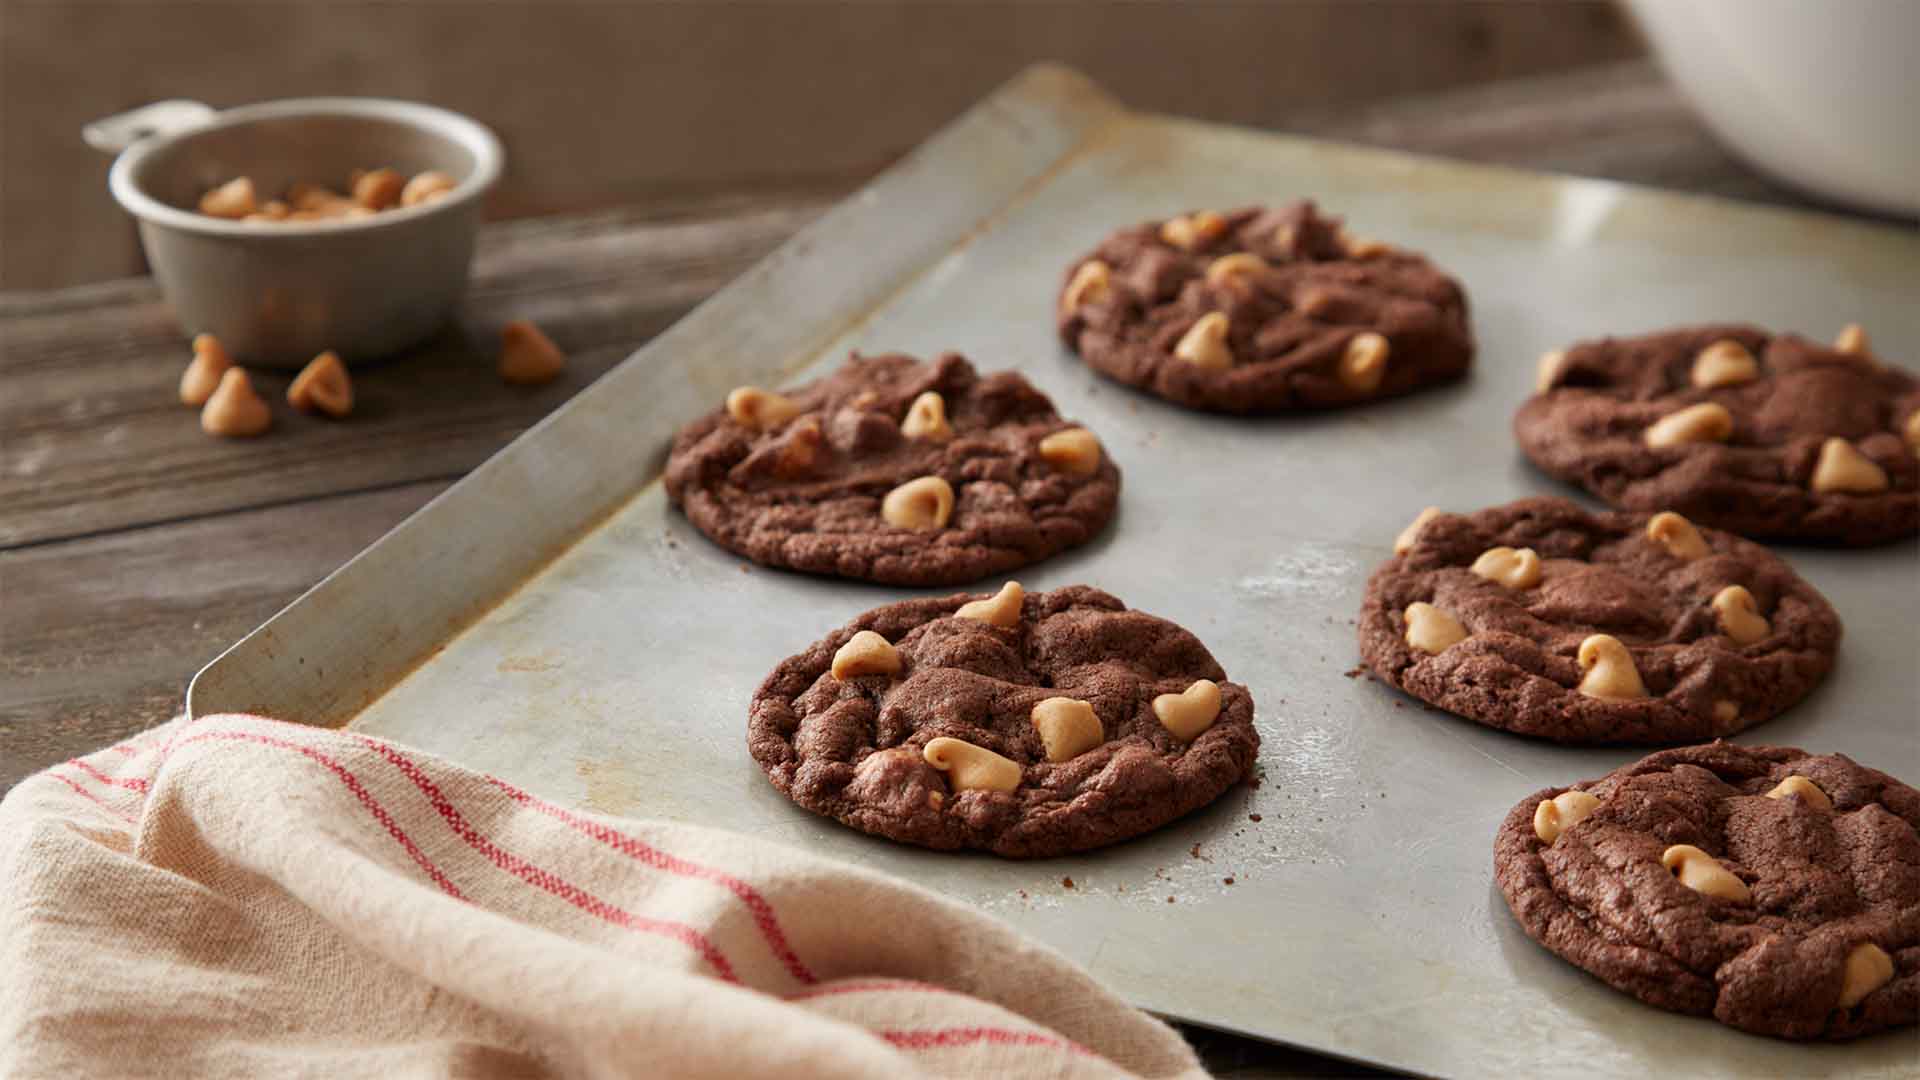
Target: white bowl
column 1823, row 94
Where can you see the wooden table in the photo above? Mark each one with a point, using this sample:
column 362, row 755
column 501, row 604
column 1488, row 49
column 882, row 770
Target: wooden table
column 133, row 548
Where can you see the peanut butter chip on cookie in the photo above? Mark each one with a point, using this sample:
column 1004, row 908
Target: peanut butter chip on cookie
column 1703, row 873
column 1186, row 714
column 1431, row 630
column 927, row 418
column 1852, row 340
column 1677, row 535
column 1799, row 787
column 1236, row 267
column 971, row 768
column 1068, row 727
column 1204, row 344
column 1739, row 615
column 1708, row 421
column 1364, row 364
column 1547, row 369
column 1514, row 568
column 1868, row 968
column 761, row 410
column 1189, row 231
column 1911, row 432
column 1610, row 671
column 1003, row 609
column 1724, row 363
column 1075, row 451
column 926, row 503
column 1843, row 468
column 1553, row 817
column 1090, row 284
column 865, row 653
column 1411, row 534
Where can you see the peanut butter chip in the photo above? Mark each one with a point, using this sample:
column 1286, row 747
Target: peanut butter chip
column 865, row 653
column 1852, row 340
column 1725, row 712
column 1677, row 535
column 378, row 188
column 1364, row 363
column 1090, row 284
column 925, row 503
column 202, row 377
column 1068, row 727
column 1075, row 451
column 1868, row 968
column 528, row 356
column 1708, row 421
column 1514, row 568
column 1799, row 787
column 1912, row 431
column 1548, row 369
column 1739, row 615
column 1431, row 630
column 927, row 418
column 425, row 187
column 1236, row 267
column 1205, row 343
column 322, row 386
column 1703, row 873
column 232, row 200
column 1186, row 714
column 1724, row 363
column 971, row 768
column 1189, row 231
column 1555, row 816
column 235, row 411
column 1411, row 534
column 1842, row 468
column 1610, row 672
column 761, row 410
column 1003, row 609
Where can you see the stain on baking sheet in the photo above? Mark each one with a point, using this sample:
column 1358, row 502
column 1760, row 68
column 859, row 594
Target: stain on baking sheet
column 612, row 787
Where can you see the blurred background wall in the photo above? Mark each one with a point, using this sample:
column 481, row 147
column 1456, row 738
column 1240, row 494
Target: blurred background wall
column 620, row 103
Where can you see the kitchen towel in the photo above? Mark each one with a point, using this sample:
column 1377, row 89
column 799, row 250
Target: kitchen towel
column 242, row 897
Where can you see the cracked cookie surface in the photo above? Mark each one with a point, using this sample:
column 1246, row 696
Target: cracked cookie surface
column 856, row 748
column 1828, row 874
column 1263, row 310
column 802, row 479
column 1767, row 470
column 1513, row 656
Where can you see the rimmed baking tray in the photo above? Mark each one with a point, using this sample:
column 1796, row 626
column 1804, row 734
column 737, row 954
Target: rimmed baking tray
column 552, row 620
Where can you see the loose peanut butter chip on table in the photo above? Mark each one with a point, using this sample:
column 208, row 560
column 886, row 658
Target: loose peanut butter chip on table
column 1547, row 369
column 202, row 377
column 1068, row 727
column 1852, row 340
column 1868, row 968
column 927, row 418
column 527, row 355
column 1090, row 284
column 1186, row 714
column 1708, row 421
column 1703, row 873
column 234, row 410
column 1739, row 615
column 1562, row 812
column 1002, row 610
column 1075, row 451
column 232, row 200
column 1431, row 630
column 1204, row 345
column 1516, row 568
column 1610, row 671
column 1799, row 787
column 1241, row 264
column 1364, row 364
column 1189, row 231
column 426, row 186
column 925, row 503
column 1843, row 468
column 322, row 386
column 1677, row 535
column 865, row 653
column 761, row 410
column 1411, row 534
column 971, row 768
column 1724, row 363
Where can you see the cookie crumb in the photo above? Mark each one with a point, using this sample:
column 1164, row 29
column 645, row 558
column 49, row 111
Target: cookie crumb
column 1253, row 817
column 1226, row 881
column 1354, row 673
column 1169, row 899
column 1066, row 883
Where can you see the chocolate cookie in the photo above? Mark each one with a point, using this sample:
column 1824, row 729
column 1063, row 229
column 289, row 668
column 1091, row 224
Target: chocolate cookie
column 1775, row 890
column 1263, row 311
column 895, row 471
column 1542, row 619
column 1025, row 724
column 1763, row 435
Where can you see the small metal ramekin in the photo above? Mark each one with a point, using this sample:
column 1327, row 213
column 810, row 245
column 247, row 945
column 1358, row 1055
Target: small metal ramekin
column 278, row 293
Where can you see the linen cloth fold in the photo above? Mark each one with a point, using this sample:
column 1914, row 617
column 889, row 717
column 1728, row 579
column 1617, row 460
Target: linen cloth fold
column 243, row 897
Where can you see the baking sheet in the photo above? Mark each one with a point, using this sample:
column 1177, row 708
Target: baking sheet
column 1361, row 919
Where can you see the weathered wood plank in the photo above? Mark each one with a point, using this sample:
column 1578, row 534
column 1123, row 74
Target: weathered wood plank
column 102, row 634
column 96, row 439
